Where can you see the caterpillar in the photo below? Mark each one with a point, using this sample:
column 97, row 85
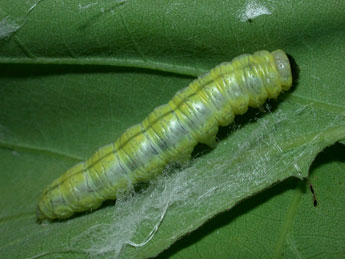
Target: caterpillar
column 169, row 133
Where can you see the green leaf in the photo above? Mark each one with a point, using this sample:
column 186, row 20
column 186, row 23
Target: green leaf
column 75, row 74
column 283, row 221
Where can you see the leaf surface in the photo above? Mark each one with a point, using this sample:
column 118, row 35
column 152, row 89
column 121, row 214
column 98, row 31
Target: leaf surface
column 75, row 74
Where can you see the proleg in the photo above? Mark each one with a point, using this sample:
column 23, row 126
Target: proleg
column 169, row 133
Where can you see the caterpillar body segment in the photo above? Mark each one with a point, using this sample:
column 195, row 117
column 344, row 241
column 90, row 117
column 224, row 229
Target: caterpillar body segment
column 169, row 133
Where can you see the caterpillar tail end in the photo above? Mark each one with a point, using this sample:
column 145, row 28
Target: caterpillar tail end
column 40, row 215
column 284, row 68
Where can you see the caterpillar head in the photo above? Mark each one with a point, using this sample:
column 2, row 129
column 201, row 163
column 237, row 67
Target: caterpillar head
column 283, row 65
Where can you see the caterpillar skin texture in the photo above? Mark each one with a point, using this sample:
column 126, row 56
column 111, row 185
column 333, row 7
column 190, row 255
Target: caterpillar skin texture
column 169, row 133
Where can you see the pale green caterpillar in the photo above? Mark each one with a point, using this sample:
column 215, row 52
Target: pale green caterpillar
column 169, row 133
